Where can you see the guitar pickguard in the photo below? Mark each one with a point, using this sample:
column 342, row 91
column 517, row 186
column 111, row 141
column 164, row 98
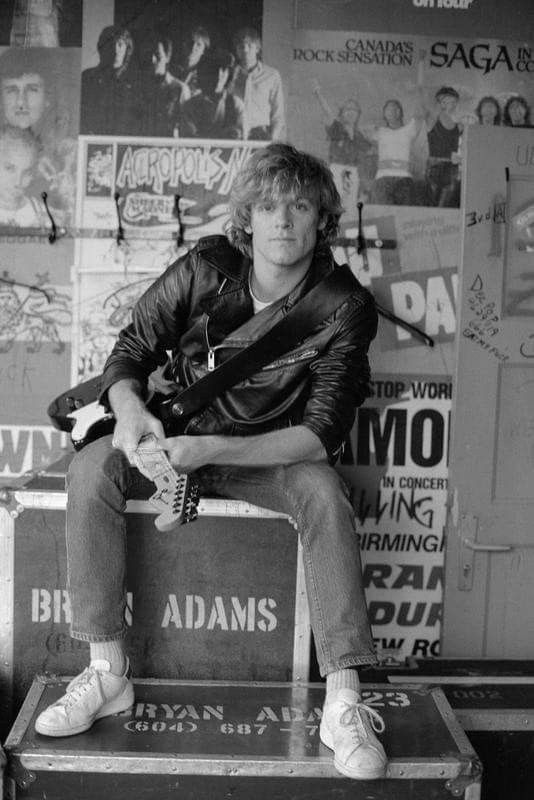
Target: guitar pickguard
column 84, row 421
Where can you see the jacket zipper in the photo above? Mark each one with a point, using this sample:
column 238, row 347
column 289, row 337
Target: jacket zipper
column 211, row 350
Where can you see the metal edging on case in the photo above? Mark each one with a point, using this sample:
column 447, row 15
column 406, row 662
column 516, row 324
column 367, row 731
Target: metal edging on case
column 451, row 720
column 218, row 764
column 7, row 559
column 464, row 680
column 27, row 709
column 473, row 791
column 302, row 627
column 163, row 764
column 496, row 719
column 208, row 506
column 49, row 501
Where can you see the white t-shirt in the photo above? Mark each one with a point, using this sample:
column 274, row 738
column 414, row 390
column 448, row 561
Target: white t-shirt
column 258, row 305
column 394, row 146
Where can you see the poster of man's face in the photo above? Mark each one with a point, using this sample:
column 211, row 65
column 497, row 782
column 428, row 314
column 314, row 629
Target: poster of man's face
column 23, row 99
column 39, row 96
column 166, row 68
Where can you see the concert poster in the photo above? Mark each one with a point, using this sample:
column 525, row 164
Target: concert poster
column 387, row 111
column 167, row 194
column 396, row 466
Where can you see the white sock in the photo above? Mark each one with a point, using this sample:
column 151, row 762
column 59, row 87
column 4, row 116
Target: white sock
column 112, row 652
column 341, row 679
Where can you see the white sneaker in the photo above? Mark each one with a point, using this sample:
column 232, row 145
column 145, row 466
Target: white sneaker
column 93, row 694
column 348, row 728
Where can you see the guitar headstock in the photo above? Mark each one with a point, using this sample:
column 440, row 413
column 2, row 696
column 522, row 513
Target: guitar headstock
column 178, row 502
column 177, row 494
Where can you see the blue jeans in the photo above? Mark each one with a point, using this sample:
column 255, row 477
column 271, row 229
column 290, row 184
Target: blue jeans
column 99, row 483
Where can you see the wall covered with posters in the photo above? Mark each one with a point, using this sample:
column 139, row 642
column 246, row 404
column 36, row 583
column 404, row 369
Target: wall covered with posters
column 144, row 109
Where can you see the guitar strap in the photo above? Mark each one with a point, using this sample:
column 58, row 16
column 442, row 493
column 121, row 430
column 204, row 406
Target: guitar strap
column 317, row 305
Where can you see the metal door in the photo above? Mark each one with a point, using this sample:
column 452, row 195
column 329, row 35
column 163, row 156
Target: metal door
column 489, row 586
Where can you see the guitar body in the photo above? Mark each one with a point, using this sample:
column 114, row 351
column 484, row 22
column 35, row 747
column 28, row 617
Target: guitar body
column 78, row 412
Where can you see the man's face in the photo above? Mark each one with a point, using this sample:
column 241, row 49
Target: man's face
column 516, row 112
column 350, row 113
column 16, row 166
column 121, row 48
column 448, row 103
column 488, row 112
column 222, row 79
column 23, row 100
column 284, row 230
column 392, row 114
column 197, row 51
column 247, row 51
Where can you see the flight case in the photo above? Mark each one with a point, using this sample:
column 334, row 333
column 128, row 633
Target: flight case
column 210, row 740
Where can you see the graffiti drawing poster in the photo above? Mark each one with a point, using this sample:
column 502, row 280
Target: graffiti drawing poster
column 161, row 188
column 35, row 328
column 35, row 353
column 39, row 106
column 35, row 323
column 388, row 111
column 182, row 70
column 103, row 304
column 396, row 465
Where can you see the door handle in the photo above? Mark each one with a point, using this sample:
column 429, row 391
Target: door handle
column 487, row 548
column 467, row 531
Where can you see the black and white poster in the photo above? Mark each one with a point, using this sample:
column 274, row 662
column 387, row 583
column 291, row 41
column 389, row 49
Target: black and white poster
column 167, row 69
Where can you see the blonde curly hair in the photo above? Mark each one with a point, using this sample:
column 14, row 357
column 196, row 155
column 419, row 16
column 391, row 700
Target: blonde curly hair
column 276, row 170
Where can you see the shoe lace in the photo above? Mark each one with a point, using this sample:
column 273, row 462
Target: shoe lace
column 79, row 686
column 353, row 717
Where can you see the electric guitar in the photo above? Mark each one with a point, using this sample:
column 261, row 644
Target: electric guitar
column 79, row 413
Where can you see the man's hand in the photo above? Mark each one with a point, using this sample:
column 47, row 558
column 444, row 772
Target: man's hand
column 133, row 419
column 285, row 446
column 186, row 453
column 130, row 429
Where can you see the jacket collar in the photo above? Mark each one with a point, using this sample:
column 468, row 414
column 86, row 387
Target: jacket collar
column 217, row 252
column 231, row 306
column 234, row 265
column 322, row 263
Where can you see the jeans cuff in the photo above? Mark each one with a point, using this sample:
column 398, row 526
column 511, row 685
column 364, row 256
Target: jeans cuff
column 348, row 661
column 93, row 638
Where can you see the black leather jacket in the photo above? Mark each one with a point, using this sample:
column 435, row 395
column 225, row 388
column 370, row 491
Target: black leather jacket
column 202, row 302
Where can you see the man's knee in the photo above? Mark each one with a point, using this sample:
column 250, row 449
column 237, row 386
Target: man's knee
column 96, row 462
column 318, row 485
